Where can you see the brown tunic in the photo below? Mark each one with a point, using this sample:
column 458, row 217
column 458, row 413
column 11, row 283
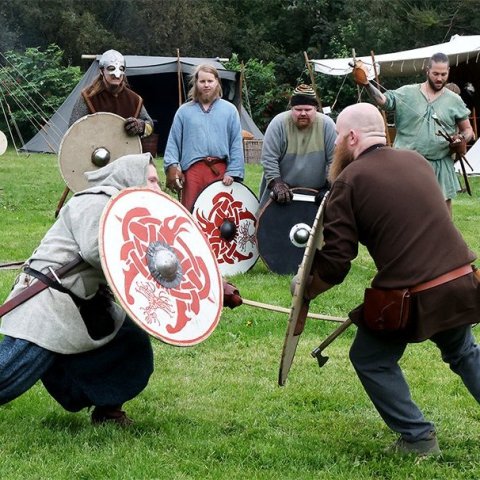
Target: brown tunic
column 126, row 104
column 389, row 200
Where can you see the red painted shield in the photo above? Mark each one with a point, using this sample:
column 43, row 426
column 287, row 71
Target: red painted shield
column 226, row 215
column 182, row 311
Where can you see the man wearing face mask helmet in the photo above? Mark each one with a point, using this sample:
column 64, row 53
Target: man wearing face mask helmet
column 109, row 92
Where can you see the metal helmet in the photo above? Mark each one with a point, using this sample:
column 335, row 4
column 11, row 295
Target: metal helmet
column 113, row 62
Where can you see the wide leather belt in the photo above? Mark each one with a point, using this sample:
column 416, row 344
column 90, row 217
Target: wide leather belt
column 446, row 277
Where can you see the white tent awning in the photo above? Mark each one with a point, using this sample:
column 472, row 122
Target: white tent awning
column 459, row 49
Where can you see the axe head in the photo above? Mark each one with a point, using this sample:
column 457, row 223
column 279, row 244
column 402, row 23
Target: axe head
column 321, row 359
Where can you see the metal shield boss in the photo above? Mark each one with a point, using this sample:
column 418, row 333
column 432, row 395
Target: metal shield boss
column 227, row 216
column 92, row 142
column 160, row 266
column 293, row 333
column 283, row 230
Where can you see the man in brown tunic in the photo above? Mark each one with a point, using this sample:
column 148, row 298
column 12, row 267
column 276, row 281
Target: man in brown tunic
column 389, row 200
column 109, row 92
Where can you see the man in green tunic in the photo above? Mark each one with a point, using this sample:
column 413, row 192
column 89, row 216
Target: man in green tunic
column 417, row 109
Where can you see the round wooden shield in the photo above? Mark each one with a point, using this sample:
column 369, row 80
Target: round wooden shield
column 227, row 216
column 294, row 330
column 283, row 231
column 160, row 266
column 3, row 143
column 92, row 142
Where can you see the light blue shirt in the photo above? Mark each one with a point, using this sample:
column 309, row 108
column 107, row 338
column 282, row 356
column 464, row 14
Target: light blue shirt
column 196, row 134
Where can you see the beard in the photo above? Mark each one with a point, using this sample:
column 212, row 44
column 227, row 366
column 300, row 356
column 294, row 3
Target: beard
column 342, row 157
column 435, row 87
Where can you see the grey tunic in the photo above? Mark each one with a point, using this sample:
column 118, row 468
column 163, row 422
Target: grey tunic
column 300, row 157
column 51, row 319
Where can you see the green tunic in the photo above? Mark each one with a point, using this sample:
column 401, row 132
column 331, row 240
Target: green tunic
column 417, row 130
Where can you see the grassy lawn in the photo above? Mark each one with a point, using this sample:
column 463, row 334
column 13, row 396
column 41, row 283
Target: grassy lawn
column 214, row 411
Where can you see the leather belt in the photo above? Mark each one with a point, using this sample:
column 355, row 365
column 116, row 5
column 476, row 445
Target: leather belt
column 211, row 161
column 446, row 277
column 38, row 286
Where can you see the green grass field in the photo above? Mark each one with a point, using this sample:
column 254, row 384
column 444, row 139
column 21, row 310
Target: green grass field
column 214, row 411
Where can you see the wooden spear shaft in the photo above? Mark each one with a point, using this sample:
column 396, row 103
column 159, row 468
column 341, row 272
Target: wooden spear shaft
column 312, row 79
column 389, row 141
column 275, row 308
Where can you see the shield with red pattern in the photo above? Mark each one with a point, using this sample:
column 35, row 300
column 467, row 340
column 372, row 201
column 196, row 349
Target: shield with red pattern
column 160, row 266
column 227, row 216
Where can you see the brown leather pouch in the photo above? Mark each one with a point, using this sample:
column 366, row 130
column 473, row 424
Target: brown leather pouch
column 386, row 310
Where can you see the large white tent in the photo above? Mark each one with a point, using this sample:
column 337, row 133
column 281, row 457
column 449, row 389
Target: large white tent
column 460, row 49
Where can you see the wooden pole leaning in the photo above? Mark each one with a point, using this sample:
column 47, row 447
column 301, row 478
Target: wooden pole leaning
column 179, row 78
column 384, row 115
column 275, row 308
column 312, row 80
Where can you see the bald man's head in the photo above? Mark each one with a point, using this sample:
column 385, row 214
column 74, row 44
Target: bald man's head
column 363, row 118
column 358, row 127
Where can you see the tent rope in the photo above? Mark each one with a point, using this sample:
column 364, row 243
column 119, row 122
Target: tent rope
column 23, row 99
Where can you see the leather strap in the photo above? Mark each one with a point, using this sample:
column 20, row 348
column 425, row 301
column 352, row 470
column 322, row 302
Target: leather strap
column 446, row 277
column 211, row 161
column 38, row 286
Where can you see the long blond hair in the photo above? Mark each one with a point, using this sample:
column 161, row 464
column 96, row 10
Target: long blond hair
column 98, row 85
column 193, row 93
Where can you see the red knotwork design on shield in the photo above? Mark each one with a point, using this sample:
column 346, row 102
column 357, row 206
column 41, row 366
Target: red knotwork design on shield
column 160, row 266
column 226, row 215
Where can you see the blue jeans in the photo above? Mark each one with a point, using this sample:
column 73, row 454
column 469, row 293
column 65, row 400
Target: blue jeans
column 107, row 376
column 376, row 362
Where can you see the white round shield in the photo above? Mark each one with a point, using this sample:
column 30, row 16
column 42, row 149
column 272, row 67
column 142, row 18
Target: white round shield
column 160, row 266
column 92, row 142
column 227, row 216
column 3, row 143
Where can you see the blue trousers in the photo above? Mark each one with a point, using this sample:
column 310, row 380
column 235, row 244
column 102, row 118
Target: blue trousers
column 376, row 363
column 107, row 376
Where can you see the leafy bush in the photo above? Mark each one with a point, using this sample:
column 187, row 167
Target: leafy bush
column 261, row 95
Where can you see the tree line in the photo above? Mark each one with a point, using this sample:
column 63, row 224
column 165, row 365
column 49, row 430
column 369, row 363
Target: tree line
column 267, row 36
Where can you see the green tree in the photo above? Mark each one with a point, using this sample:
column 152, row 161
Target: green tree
column 261, row 93
column 33, row 85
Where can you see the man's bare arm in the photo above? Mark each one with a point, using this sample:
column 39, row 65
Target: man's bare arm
column 375, row 94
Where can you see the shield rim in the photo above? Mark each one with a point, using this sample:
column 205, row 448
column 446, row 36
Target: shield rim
column 69, row 180
column 291, row 340
column 120, row 299
column 247, row 188
column 3, row 143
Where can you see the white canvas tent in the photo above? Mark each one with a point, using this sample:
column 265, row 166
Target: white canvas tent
column 158, row 80
column 460, row 49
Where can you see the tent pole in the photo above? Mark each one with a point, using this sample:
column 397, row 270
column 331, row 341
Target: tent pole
column 384, row 115
column 474, row 118
column 179, row 76
column 312, row 79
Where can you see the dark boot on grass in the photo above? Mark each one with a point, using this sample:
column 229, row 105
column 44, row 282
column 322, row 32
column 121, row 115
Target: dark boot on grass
column 115, row 415
column 422, row 448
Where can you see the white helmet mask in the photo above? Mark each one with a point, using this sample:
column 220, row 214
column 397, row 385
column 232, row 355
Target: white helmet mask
column 113, row 62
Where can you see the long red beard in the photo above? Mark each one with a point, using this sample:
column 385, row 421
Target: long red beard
column 342, row 157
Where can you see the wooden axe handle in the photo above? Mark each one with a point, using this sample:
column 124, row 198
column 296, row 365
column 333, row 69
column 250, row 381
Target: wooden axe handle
column 336, row 333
